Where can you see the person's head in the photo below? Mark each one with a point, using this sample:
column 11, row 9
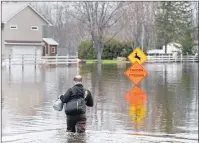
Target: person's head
column 78, row 79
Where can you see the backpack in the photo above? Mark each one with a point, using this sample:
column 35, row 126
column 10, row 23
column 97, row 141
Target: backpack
column 76, row 106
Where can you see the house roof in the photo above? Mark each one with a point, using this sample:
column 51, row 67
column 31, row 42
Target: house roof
column 9, row 10
column 50, row 41
column 155, row 51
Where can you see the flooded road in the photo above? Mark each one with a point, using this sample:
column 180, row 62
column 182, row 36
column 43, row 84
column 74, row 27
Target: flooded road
column 170, row 113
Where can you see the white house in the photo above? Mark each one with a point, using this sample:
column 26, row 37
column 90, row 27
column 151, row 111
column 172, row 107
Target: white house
column 172, row 49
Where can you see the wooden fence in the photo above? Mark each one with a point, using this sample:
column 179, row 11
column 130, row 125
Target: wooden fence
column 170, row 58
column 38, row 60
column 55, row 60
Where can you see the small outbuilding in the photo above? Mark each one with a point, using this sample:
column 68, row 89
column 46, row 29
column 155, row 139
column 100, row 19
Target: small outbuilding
column 50, row 47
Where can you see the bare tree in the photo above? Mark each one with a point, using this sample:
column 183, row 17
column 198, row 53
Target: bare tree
column 65, row 29
column 98, row 17
column 99, row 21
column 139, row 18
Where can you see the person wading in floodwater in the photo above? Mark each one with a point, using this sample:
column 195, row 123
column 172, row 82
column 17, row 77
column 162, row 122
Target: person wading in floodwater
column 76, row 97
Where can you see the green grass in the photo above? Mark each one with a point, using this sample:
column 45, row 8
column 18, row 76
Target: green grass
column 103, row 61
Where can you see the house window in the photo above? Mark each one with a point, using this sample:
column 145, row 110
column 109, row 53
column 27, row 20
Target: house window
column 53, row 49
column 34, row 27
column 13, row 27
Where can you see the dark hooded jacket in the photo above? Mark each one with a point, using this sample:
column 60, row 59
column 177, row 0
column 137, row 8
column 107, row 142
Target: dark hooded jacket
column 77, row 91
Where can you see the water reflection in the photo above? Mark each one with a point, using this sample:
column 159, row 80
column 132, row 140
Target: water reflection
column 136, row 99
column 171, row 111
column 137, row 113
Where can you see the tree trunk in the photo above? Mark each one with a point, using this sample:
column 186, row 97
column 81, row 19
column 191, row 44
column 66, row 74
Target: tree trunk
column 99, row 52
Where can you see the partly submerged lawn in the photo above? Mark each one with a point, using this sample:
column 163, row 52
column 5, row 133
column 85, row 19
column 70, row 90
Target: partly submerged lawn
column 103, row 61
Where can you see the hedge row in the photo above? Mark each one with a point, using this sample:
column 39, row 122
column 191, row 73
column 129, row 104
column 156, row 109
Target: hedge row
column 111, row 50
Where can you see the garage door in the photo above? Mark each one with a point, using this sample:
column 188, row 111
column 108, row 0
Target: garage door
column 28, row 53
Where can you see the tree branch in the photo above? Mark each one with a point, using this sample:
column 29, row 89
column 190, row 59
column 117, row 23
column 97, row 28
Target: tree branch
column 112, row 13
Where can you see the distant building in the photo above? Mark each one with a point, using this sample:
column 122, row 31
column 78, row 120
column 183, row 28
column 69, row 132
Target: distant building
column 50, row 47
column 22, row 30
column 195, row 42
column 172, row 49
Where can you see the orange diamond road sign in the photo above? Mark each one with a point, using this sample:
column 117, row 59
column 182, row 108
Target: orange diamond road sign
column 136, row 96
column 136, row 73
column 137, row 56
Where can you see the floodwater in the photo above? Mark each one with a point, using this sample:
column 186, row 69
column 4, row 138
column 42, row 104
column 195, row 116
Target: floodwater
column 169, row 114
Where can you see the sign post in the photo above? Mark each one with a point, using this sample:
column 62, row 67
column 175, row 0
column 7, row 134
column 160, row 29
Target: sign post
column 135, row 96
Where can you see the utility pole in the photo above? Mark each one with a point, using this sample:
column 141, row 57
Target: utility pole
column 142, row 46
column 142, row 41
